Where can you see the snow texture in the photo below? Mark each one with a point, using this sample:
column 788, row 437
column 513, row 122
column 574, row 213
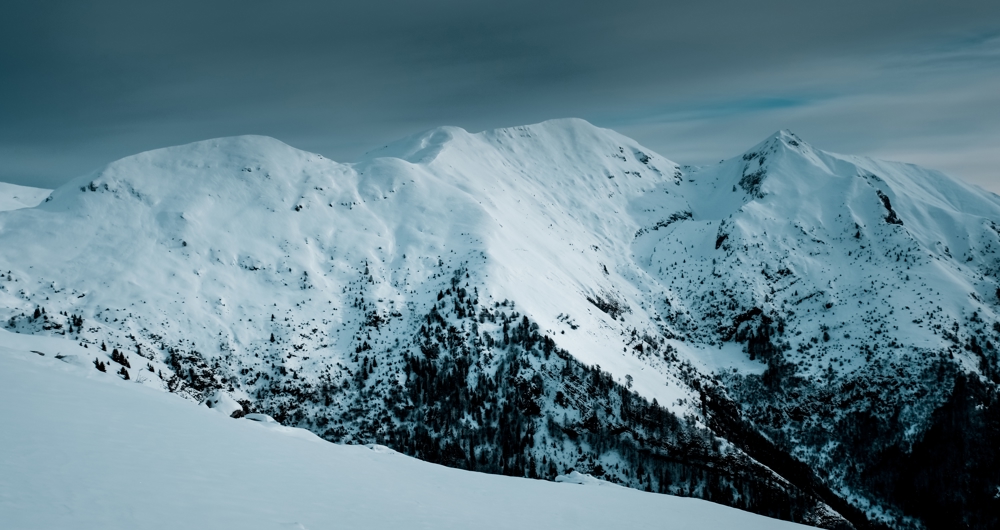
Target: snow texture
column 14, row 197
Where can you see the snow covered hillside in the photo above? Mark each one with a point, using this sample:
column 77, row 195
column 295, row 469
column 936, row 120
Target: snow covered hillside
column 14, row 197
column 84, row 449
column 787, row 332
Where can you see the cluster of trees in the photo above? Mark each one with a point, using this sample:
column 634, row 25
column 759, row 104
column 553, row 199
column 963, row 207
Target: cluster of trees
column 40, row 318
column 516, row 404
column 482, row 388
column 950, row 478
column 947, row 476
column 120, row 358
column 191, row 371
column 117, row 357
column 610, row 305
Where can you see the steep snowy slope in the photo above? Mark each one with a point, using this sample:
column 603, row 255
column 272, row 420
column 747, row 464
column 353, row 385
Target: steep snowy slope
column 14, row 197
column 869, row 288
column 781, row 332
column 84, row 450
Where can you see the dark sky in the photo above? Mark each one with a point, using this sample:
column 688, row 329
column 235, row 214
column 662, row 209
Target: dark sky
column 84, row 83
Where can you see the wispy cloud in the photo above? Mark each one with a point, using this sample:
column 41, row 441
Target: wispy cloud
column 977, row 52
column 84, row 83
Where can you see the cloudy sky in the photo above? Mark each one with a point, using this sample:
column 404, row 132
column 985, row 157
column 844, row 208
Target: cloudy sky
column 84, row 83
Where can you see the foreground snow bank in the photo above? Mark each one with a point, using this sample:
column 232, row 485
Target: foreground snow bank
column 84, row 449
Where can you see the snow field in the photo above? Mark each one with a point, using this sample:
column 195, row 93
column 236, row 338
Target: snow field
column 14, row 197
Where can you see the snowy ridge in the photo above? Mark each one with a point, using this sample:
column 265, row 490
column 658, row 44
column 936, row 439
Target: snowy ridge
column 451, row 296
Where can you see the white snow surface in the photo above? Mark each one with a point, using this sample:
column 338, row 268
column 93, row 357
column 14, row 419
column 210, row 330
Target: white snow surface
column 83, row 449
column 14, row 197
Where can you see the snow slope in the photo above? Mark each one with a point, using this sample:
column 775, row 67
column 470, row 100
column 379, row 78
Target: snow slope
column 85, row 450
column 14, row 197
column 508, row 300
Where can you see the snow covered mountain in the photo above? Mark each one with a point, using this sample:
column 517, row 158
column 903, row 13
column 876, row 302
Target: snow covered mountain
column 790, row 331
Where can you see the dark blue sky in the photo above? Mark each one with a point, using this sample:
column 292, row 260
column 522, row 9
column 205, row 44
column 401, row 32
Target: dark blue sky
column 84, row 83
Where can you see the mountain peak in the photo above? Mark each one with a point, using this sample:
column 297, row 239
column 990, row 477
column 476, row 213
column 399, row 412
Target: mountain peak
column 781, row 139
column 228, row 151
column 250, row 146
column 180, row 170
column 420, row 147
column 786, row 135
column 566, row 128
column 246, row 144
column 426, row 145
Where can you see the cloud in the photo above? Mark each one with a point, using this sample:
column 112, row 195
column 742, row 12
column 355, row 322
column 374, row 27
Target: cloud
column 88, row 82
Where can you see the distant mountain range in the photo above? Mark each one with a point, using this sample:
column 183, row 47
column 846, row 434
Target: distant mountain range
column 801, row 334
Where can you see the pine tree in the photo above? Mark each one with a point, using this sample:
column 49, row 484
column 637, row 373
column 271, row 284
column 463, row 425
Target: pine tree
column 120, row 358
